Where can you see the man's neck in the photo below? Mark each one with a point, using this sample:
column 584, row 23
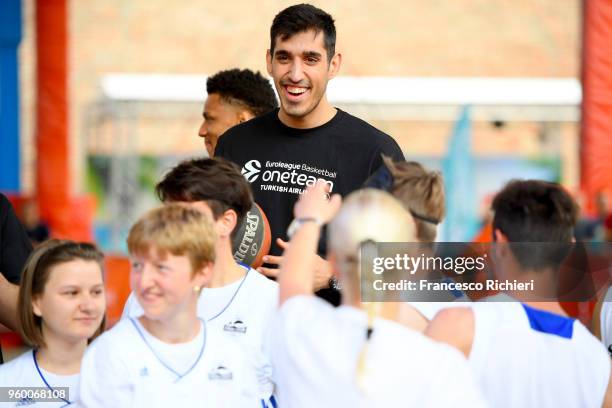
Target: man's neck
column 225, row 271
column 61, row 356
column 543, row 296
column 323, row 113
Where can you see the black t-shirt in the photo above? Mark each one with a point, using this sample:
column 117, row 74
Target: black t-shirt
column 15, row 246
column 280, row 161
column 39, row 233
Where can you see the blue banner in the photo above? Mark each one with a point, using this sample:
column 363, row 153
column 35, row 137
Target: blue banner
column 461, row 222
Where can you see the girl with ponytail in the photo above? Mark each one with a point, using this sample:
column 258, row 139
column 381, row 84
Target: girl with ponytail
column 350, row 355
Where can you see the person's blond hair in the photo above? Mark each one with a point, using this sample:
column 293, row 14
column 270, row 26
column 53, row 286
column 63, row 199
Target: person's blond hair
column 36, row 274
column 176, row 229
column 367, row 217
column 421, row 192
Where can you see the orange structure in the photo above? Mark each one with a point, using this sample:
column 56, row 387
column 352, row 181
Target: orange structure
column 596, row 125
column 68, row 216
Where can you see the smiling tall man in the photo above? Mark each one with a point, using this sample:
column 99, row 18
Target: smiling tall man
column 284, row 151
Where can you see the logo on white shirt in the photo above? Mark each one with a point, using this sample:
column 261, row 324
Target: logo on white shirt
column 237, row 326
column 220, row 373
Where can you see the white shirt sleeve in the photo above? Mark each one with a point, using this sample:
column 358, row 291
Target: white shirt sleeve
column 104, row 378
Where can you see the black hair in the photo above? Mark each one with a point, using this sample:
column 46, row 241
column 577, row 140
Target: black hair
column 243, row 87
column 216, row 181
column 303, row 17
column 535, row 211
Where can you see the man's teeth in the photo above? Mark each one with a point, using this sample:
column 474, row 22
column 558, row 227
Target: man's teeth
column 294, row 90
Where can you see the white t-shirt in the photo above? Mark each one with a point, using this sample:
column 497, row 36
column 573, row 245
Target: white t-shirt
column 242, row 311
column 128, row 367
column 526, row 357
column 21, row 372
column 605, row 321
column 316, row 351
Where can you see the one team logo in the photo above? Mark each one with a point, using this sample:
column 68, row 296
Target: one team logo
column 251, row 170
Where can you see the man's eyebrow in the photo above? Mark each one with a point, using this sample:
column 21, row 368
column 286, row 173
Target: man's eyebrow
column 312, row 54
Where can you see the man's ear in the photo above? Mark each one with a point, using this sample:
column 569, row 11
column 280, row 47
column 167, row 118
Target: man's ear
column 501, row 244
column 499, row 236
column 269, row 62
column 226, row 223
column 334, row 66
column 244, row 115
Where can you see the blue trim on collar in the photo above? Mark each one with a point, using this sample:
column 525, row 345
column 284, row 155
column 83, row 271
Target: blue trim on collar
column 549, row 323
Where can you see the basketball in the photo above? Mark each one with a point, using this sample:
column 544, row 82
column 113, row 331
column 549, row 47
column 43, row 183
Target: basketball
column 252, row 239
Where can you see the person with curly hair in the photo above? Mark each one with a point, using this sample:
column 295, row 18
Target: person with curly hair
column 234, row 96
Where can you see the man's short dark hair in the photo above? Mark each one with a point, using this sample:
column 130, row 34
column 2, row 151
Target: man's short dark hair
column 535, row 211
column 300, row 18
column 245, row 88
column 216, row 181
